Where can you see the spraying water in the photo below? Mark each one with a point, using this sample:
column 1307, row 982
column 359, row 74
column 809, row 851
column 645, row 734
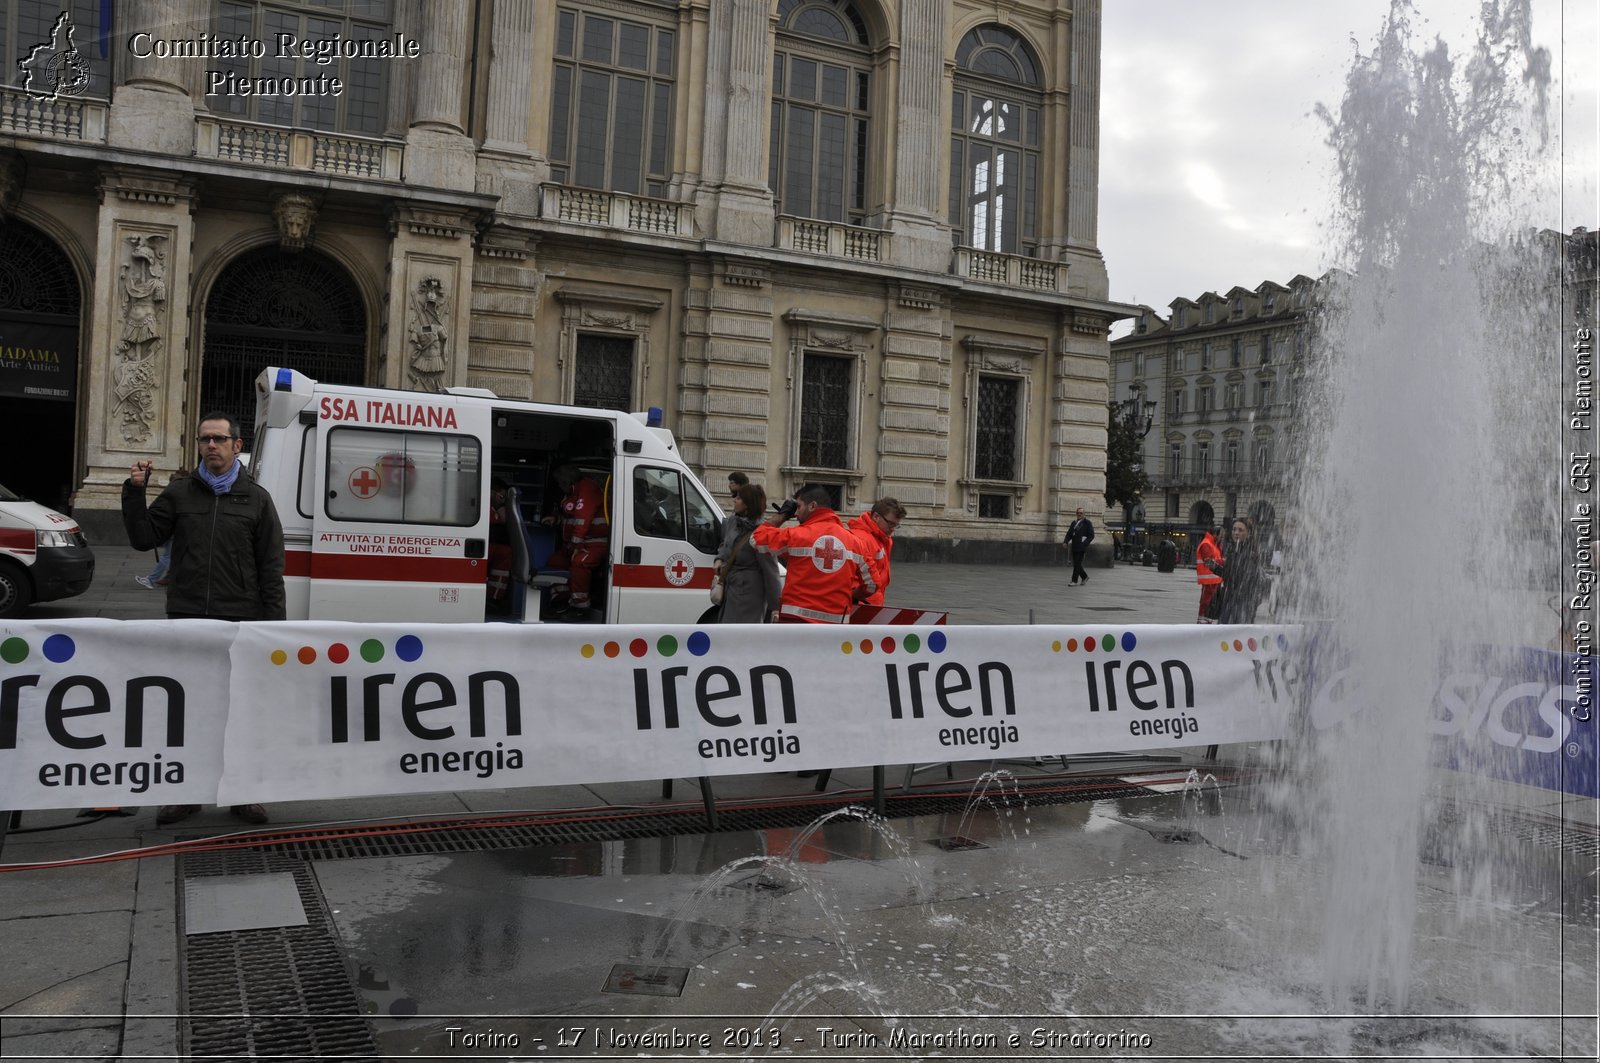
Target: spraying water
column 1421, row 461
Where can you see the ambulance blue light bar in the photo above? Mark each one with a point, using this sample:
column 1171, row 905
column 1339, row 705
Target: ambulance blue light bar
column 654, row 418
column 285, row 381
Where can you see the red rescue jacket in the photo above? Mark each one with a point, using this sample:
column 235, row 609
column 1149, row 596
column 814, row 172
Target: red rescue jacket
column 1206, row 551
column 583, row 517
column 825, row 561
column 877, row 545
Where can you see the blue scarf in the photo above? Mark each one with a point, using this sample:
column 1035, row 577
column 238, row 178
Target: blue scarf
column 220, row 484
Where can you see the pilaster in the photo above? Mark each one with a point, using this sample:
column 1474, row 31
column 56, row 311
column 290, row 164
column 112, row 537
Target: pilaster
column 506, row 287
column 1086, row 273
column 1080, row 391
column 430, row 292
column 913, row 436
column 138, row 389
column 726, row 409
column 734, row 202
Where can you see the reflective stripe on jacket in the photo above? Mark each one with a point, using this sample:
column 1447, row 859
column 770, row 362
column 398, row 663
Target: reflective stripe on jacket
column 1206, row 551
column 879, row 545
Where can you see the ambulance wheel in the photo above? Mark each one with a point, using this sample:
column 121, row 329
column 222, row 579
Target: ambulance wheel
column 15, row 591
column 710, row 615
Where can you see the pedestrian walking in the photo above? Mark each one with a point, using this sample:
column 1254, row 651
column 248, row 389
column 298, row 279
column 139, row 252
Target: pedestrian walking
column 751, row 591
column 1080, row 533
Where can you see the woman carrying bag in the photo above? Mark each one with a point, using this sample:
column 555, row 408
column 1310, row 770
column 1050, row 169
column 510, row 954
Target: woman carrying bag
column 749, row 577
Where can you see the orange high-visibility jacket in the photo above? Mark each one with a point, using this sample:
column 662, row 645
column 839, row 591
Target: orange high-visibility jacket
column 824, row 560
column 1206, row 551
column 877, row 544
column 583, row 517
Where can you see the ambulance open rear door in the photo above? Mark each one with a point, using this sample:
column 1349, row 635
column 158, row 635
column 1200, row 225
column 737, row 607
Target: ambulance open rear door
column 400, row 526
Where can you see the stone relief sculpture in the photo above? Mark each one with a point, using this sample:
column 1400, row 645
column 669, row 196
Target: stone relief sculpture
column 429, row 312
column 296, row 214
column 138, row 353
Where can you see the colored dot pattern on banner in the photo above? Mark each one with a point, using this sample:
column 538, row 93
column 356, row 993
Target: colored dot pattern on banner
column 1105, row 643
column 698, row 643
column 407, row 647
column 1255, row 645
column 908, row 643
column 57, row 649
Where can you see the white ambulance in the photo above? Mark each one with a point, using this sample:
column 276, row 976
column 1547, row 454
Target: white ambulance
column 43, row 554
column 385, row 501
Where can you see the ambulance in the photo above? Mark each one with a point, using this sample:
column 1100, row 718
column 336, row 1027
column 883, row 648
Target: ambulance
column 387, row 505
column 43, row 554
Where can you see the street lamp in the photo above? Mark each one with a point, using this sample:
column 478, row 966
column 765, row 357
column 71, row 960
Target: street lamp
column 1138, row 414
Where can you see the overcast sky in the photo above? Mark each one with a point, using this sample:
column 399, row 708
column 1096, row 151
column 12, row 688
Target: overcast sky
column 1214, row 169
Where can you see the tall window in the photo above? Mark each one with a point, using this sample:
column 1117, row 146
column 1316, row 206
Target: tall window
column 821, row 95
column 1205, row 355
column 1232, row 397
column 603, row 372
column 995, row 448
column 825, row 412
column 611, row 103
column 994, row 146
column 358, row 109
column 1177, row 401
column 1235, row 353
column 1264, row 393
column 1175, row 459
column 1204, row 399
column 1263, row 457
column 1202, row 460
column 1266, row 349
column 1231, row 458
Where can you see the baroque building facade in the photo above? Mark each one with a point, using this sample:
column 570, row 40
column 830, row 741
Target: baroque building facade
column 1223, row 374
column 848, row 242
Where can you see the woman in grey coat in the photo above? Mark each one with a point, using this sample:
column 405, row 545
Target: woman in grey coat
column 750, row 576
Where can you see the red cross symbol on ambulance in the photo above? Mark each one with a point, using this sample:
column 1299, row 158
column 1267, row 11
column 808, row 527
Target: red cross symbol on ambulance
column 364, row 482
column 828, row 553
column 679, row 569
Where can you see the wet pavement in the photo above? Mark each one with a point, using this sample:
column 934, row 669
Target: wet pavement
column 1154, row 922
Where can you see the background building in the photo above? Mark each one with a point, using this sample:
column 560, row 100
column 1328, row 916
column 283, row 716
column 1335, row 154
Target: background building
column 1221, row 371
column 840, row 241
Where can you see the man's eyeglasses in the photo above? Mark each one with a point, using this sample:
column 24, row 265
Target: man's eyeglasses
column 217, row 439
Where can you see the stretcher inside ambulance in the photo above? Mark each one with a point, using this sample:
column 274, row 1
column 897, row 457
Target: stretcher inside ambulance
column 419, row 507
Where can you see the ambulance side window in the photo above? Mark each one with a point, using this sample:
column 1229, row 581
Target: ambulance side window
column 666, row 507
column 385, row 477
column 306, row 497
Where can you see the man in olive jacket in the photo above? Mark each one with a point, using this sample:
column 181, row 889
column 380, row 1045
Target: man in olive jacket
column 227, row 545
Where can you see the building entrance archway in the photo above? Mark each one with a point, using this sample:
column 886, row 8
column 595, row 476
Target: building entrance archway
column 269, row 307
column 40, row 313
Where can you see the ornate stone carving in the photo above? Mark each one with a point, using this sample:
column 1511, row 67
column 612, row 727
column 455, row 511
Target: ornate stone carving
column 1014, row 365
column 836, row 340
column 1090, row 324
column 296, row 214
column 918, row 298
column 12, row 171
column 136, row 374
column 604, row 320
column 745, row 276
column 430, row 311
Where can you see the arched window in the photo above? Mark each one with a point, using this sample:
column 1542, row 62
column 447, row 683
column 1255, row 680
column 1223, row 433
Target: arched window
column 358, row 108
column 995, row 138
column 269, row 307
column 611, row 101
column 821, row 99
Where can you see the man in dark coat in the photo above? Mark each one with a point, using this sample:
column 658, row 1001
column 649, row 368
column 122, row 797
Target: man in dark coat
column 227, row 545
column 1079, row 535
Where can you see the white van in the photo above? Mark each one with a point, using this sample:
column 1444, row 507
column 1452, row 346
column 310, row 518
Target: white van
column 43, row 555
column 384, row 499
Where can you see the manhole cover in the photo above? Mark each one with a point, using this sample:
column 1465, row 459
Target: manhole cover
column 956, row 843
column 646, row 981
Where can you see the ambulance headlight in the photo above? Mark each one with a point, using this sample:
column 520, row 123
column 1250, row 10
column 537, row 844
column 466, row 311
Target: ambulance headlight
column 55, row 538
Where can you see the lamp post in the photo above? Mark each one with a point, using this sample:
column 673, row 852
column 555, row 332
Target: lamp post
column 1137, row 414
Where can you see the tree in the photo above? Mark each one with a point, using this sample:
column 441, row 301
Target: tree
column 1126, row 481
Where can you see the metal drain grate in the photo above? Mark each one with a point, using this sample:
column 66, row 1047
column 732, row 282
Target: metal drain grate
column 280, row 992
column 662, row 824
column 1575, row 839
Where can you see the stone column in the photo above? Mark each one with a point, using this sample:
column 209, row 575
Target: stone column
column 1086, row 272
column 152, row 109
column 736, row 205
column 139, row 386
column 1079, row 393
column 921, row 238
column 510, row 164
column 438, row 152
